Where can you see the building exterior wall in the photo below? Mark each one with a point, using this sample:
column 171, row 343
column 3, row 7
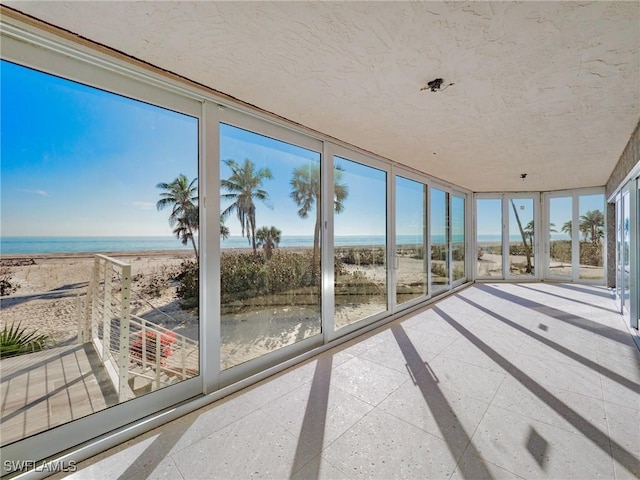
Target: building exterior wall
column 627, row 162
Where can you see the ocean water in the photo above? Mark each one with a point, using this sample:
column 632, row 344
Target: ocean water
column 45, row 245
column 35, row 245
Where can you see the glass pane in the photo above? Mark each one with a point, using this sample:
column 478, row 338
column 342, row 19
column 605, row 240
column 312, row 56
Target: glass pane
column 626, row 249
column 521, row 236
column 86, row 172
column 489, row 241
column 457, row 236
column 439, row 235
column 619, row 246
column 411, row 224
column 270, row 236
column 560, row 233
column 591, row 227
column 360, row 241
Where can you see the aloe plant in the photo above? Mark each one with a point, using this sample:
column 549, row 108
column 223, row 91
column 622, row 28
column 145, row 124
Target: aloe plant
column 14, row 340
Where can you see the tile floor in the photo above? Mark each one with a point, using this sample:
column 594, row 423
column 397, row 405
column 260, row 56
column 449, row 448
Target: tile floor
column 497, row 381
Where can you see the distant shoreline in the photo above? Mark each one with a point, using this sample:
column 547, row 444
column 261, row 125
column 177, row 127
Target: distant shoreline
column 138, row 253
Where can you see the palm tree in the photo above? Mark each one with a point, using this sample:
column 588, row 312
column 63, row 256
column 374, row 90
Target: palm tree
column 592, row 225
column 305, row 185
column 268, row 238
column 243, row 186
column 567, row 228
column 182, row 196
column 527, row 248
column 224, row 230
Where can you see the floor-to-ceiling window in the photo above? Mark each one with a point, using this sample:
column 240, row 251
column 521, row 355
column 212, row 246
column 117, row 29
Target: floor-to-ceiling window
column 521, row 237
column 439, row 235
column 360, row 242
column 489, row 238
column 574, row 231
column 506, row 237
column 270, row 266
column 410, row 259
column 100, row 219
column 559, row 244
column 627, row 250
column 199, row 211
column 458, row 237
column 591, row 224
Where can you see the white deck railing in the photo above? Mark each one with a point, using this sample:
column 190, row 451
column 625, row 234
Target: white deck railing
column 131, row 347
column 161, row 355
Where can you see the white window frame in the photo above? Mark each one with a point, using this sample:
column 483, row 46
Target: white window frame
column 28, row 47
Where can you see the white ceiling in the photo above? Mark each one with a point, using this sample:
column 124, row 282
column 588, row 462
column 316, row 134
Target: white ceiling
column 551, row 89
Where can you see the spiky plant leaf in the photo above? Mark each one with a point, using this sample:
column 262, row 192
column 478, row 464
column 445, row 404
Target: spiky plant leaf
column 14, row 340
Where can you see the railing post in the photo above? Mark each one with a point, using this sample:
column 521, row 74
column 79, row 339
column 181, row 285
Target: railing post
column 94, row 300
column 158, row 357
column 123, row 360
column 184, row 358
column 144, row 344
column 106, row 312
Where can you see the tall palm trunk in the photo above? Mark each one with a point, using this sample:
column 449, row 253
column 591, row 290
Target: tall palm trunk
column 316, row 241
column 193, row 242
column 527, row 249
column 252, row 226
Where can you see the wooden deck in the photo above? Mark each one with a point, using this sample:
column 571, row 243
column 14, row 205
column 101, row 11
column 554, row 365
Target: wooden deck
column 48, row 388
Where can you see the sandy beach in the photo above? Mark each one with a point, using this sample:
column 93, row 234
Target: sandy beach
column 52, row 286
column 52, row 290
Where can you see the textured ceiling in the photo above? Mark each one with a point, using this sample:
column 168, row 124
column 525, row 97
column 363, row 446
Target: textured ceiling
column 547, row 88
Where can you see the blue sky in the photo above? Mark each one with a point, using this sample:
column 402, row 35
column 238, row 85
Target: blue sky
column 80, row 161
column 364, row 206
column 489, row 213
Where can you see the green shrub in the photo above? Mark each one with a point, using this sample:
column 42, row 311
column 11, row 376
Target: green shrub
column 438, row 270
column 7, row 284
column 361, row 256
column 16, row 341
column 189, row 286
column 245, row 275
column 519, row 249
column 591, row 254
column 560, row 250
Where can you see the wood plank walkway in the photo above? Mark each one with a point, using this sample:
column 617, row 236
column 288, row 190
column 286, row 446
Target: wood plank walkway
column 45, row 389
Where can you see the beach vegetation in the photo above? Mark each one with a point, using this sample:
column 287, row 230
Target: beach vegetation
column 155, row 283
column 243, row 187
column 188, row 290
column 181, row 195
column 439, row 270
column 525, row 236
column 244, row 275
column 224, row 230
column 15, row 340
column 592, row 226
column 305, row 191
column 7, row 283
column 268, row 238
column 361, row 256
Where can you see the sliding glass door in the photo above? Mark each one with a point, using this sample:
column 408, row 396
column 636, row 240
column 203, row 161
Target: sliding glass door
column 489, row 238
column 560, row 237
column 574, row 236
column 359, row 241
column 104, row 239
column 521, row 237
column 410, row 259
column 506, row 238
column 270, row 265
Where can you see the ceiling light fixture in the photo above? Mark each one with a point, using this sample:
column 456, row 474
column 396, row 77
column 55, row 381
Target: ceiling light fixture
column 434, row 85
